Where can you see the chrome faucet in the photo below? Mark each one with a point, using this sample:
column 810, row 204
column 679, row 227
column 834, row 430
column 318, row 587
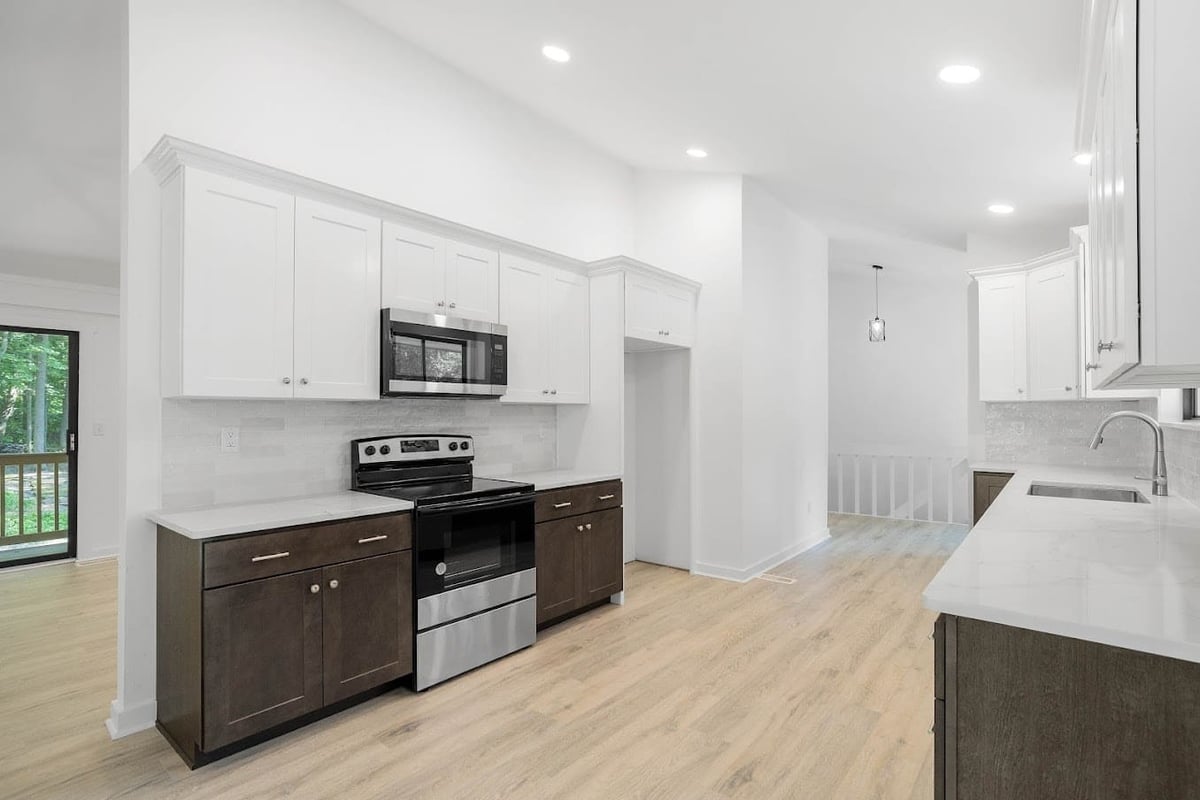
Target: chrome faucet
column 1160, row 458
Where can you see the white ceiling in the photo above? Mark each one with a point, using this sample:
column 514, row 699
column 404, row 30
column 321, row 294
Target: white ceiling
column 60, row 137
column 835, row 105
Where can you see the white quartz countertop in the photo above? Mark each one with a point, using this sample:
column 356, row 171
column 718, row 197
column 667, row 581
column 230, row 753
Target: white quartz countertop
column 558, row 478
column 1121, row 574
column 206, row 523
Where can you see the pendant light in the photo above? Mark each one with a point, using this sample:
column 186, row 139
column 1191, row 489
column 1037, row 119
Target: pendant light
column 877, row 328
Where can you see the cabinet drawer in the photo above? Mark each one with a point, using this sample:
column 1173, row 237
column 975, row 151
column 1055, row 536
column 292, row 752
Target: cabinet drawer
column 572, row 500
column 262, row 555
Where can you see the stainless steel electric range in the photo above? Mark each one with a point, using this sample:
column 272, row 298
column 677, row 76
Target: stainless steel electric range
column 474, row 581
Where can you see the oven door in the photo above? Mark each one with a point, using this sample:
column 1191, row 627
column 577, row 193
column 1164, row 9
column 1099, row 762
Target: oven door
column 465, row 543
column 433, row 354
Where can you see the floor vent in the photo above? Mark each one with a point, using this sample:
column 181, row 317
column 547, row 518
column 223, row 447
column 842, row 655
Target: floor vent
column 766, row 576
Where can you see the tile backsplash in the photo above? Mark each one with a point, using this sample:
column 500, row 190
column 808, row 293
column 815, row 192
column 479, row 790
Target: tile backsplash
column 294, row 448
column 1059, row 433
column 1183, row 461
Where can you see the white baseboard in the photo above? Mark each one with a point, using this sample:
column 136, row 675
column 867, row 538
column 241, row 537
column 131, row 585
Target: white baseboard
column 122, row 722
column 99, row 555
column 741, row 575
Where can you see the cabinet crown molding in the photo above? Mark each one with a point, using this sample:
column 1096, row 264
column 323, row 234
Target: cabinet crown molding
column 171, row 154
column 1024, row 266
column 627, row 264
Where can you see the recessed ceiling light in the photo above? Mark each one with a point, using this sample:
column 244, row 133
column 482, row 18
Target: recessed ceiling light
column 697, row 152
column 959, row 74
column 1083, row 159
column 1001, row 208
column 556, row 53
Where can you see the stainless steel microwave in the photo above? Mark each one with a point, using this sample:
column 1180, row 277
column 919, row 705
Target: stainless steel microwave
column 431, row 354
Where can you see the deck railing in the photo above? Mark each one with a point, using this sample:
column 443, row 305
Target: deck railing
column 929, row 488
column 33, row 497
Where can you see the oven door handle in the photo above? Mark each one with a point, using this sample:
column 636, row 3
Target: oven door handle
column 486, row 504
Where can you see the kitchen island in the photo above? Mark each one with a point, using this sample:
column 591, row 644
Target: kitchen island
column 1067, row 653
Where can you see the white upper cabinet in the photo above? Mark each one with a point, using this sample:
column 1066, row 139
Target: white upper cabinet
column 472, row 282
column 265, row 295
column 1003, row 367
column 570, row 358
column 1139, row 118
column 227, row 287
column 428, row 273
column 336, row 352
column 414, row 269
column 1052, row 330
column 547, row 313
column 659, row 313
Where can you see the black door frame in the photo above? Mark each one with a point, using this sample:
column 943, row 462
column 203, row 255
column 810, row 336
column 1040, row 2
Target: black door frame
column 72, row 445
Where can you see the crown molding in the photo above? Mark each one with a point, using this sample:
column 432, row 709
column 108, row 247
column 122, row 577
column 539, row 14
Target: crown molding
column 171, row 154
column 1067, row 253
column 88, row 298
column 627, row 264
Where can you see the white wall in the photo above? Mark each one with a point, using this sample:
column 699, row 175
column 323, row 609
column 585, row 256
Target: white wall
column 785, row 410
column 908, row 395
column 92, row 311
column 691, row 224
column 310, row 87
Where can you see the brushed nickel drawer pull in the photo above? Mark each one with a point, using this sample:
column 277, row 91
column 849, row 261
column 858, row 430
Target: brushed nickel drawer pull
column 370, row 539
column 579, row 528
column 588, row 526
column 271, row 557
column 607, row 496
column 563, row 505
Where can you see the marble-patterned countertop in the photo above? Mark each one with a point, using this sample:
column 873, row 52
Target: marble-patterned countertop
column 558, row 478
column 1121, row 574
column 213, row 521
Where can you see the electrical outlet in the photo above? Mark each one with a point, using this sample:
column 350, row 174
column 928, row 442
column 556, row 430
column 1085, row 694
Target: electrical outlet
column 229, row 440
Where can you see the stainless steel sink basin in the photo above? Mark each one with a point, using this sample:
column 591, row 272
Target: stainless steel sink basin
column 1113, row 494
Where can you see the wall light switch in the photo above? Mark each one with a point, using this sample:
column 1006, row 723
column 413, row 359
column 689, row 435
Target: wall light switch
column 97, row 429
column 229, row 440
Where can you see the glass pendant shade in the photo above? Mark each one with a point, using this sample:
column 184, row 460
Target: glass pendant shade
column 877, row 328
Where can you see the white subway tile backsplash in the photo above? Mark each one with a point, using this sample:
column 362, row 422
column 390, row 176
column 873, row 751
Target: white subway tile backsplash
column 293, row 448
column 1059, row 433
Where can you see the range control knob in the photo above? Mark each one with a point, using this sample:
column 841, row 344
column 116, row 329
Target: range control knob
column 453, row 446
column 369, row 450
column 465, row 445
column 383, row 451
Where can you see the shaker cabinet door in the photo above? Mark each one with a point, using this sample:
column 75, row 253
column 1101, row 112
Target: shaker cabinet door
column 368, row 623
column 337, row 303
column 601, row 558
column 522, row 309
column 262, row 655
column 472, row 280
column 414, row 270
column 1052, row 310
column 556, row 555
column 1002, row 355
column 234, row 293
column 569, row 355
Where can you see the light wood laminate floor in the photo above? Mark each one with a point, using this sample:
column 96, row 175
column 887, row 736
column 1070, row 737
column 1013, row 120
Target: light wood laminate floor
column 697, row 689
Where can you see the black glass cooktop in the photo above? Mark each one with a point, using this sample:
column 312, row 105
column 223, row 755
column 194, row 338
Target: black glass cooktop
column 450, row 490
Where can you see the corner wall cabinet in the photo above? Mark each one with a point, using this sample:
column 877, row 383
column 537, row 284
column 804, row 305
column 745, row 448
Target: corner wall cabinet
column 260, row 632
column 547, row 313
column 1138, row 118
column 435, row 275
column 1029, row 330
column 265, row 294
column 578, row 548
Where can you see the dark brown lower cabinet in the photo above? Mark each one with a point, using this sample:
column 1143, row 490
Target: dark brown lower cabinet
column 580, row 558
column 262, row 655
column 1029, row 715
column 987, row 487
column 237, row 661
column 367, row 614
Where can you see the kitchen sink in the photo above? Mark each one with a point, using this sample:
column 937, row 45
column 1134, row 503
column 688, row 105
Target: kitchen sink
column 1114, row 494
